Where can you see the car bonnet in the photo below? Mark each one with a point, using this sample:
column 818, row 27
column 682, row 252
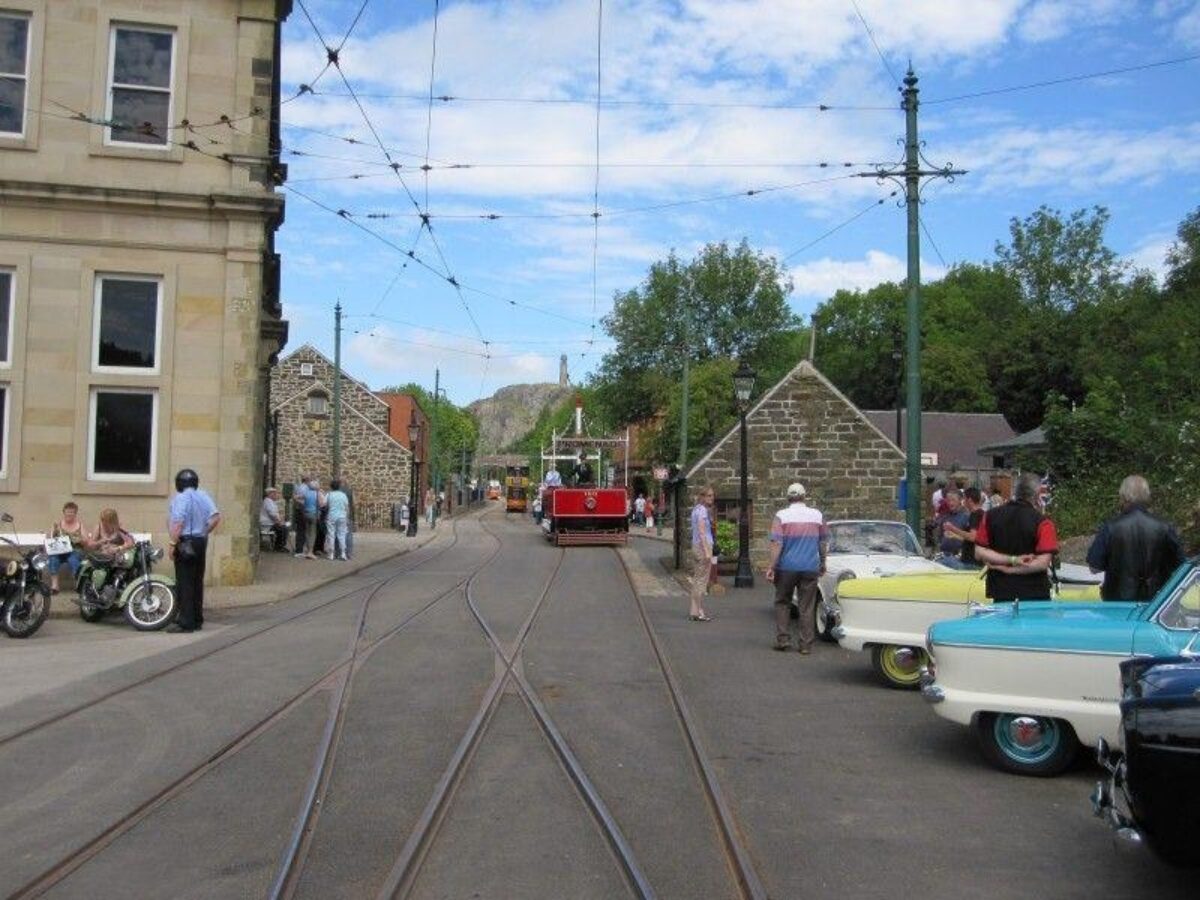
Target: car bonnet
column 1046, row 625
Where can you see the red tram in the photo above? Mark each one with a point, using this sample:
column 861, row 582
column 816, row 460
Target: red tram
column 586, row 515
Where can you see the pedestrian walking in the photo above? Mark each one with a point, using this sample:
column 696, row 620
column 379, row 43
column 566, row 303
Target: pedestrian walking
column 799, row 544
column 639, row 510
column 1017, row 542
column 1136, row 551
column 337, row 521
column 192, row 517
column 702, row 552
column 649, row 514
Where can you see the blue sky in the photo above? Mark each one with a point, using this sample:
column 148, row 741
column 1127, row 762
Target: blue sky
column 705, row 98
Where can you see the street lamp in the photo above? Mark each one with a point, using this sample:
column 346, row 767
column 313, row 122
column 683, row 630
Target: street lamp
column 414, row 444
column 743, row 387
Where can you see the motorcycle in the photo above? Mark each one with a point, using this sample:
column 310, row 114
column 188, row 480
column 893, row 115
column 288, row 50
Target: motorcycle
column 24, row 600
column 126, row 581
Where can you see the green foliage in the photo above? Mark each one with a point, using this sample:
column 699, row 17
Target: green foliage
column 727, row 539
column 454, row 428
column 711, row 411
column 561, row 418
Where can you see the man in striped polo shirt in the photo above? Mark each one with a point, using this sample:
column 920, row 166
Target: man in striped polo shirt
column 799, row 542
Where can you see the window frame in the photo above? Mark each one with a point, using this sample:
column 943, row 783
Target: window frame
column 155, row 412
column 110, row 84
column 97, row 303
column 26, row 77
column 11, row 299
column 6, row 412
column 321, row 395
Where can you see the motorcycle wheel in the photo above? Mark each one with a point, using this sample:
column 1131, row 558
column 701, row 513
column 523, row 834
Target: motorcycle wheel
column 151, row 606
column 25, row 615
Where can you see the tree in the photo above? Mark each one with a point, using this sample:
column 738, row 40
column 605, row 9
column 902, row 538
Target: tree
column 725, row 303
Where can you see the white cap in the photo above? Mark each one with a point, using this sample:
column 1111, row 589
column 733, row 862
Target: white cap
column 795, row 489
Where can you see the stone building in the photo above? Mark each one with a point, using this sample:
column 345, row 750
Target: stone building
column 377, row 466
column 804, row 429
column 139, row 299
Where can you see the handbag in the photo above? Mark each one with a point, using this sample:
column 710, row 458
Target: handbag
column 58, row 545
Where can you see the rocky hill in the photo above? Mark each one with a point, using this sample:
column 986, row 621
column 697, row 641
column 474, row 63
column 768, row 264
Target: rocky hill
column 512, row 411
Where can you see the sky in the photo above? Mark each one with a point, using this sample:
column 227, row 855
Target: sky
column 701, row 102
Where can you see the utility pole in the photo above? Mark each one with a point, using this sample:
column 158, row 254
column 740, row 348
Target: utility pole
column 337, row 390
column 910, row 175
column 433, row 463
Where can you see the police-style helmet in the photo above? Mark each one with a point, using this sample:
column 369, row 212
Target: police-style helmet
column 186, row 478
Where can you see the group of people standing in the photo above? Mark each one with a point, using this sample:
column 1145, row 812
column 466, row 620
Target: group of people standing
column 323, row 519
column 1016, row 541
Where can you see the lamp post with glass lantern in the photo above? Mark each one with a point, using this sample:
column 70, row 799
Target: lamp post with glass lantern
column 414, row 444
column 743, row 387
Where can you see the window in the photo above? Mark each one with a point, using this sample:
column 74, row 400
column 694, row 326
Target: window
column 6, row 304
column 141, row 65
column 123, row 424
column 306, row 370
column 128, row 319
column 318, row 405
column 14, row 72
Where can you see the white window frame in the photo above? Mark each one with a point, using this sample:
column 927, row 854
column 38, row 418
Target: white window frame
column 6, row 411
column 92, row 474
column 11, row 299
column 97, row 302
column 306, row 370
column 109, row 140
column 18, row 14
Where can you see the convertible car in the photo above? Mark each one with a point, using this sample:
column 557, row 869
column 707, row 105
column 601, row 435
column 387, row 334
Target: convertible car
column 1036, row 680
column 1152, row 792
column 889, row 616
column 866, row 548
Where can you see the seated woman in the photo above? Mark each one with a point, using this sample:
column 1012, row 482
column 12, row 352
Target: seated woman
column 69, row 526
column 110, row 537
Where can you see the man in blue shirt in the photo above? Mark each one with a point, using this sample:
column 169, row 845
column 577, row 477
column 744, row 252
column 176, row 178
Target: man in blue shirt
column 799, row 543
column 191, row 519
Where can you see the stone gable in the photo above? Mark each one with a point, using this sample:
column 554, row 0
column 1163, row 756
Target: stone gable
column 287, row 380
column 805, row 430
column 376, row 466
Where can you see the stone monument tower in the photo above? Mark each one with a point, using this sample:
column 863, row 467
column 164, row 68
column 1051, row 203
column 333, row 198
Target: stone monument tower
column 563, row 381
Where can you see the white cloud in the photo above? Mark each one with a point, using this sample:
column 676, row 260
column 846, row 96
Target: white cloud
column 823, row 277
column 1187, row 29
column 1150, row 253
column 1047, row 20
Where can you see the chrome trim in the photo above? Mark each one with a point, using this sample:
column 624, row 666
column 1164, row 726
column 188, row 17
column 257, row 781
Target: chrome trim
column 1117, row 654
column 837, row 632
column 932, row 693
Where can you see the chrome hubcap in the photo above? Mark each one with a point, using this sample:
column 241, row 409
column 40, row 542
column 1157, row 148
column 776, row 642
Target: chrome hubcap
column 906, row 659
column 1025, row 731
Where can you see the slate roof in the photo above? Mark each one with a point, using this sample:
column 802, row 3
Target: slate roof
column 954, row 437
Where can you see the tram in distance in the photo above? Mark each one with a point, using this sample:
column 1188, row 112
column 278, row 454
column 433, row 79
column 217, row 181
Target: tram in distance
column 516, row 489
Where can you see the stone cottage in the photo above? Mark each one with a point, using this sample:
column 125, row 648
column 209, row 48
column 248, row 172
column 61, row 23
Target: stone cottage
column 377, row 466
column 804, row 429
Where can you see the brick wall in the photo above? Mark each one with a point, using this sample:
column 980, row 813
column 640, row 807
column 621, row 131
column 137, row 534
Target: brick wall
column 805, row 430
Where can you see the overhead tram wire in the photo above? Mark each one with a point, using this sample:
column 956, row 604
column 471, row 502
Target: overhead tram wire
column 429, row 109
column 411, row 254
column 874, row 43
column 1066, row 79
column 448, row 276
column 932, row 242
column 596, row 180
column 494, row 342
column 836, row 228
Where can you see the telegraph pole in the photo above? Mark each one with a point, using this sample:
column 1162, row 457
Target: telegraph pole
column 337, row 390
column 910, row 175
column 433, row 464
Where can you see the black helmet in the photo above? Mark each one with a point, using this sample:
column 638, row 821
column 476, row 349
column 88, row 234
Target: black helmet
column 186, row 478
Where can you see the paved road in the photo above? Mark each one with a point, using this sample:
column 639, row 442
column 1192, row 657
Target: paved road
column 188, row 772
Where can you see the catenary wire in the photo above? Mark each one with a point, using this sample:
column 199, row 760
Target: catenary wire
column 596, row 179
column 836, row 228
column 429, row 108
column 874, row 43
column 932, row 242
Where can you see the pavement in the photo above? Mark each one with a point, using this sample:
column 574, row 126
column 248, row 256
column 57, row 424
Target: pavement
column 839, row 787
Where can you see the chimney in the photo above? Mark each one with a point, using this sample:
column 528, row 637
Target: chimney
column 563, row 381
column 578, row 415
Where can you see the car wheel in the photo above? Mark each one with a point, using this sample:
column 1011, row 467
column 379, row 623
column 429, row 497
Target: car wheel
column 1026, row 745
column 822, row 623
column 897, row 666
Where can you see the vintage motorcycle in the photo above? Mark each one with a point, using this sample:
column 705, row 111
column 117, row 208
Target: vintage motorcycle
column 126, row 581
column 24, row 599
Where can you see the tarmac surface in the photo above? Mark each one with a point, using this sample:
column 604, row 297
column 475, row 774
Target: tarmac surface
column 186, row 767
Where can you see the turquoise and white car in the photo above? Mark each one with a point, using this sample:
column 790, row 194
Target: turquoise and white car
column 1036, row 680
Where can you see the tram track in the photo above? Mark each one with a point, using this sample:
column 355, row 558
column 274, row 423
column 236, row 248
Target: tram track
column 336, row 678
column 220, row 648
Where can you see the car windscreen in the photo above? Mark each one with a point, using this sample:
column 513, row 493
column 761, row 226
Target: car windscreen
column 871, row 537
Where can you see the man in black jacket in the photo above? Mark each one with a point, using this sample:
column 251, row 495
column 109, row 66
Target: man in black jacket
column 1017, row 543
column 1137, row 552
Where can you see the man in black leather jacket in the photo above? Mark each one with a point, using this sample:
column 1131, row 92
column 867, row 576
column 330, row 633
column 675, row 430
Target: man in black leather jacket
column 1136, row 551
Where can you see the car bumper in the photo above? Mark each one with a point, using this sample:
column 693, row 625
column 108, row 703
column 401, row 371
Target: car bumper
column 929, row 689
column 1127, row 839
